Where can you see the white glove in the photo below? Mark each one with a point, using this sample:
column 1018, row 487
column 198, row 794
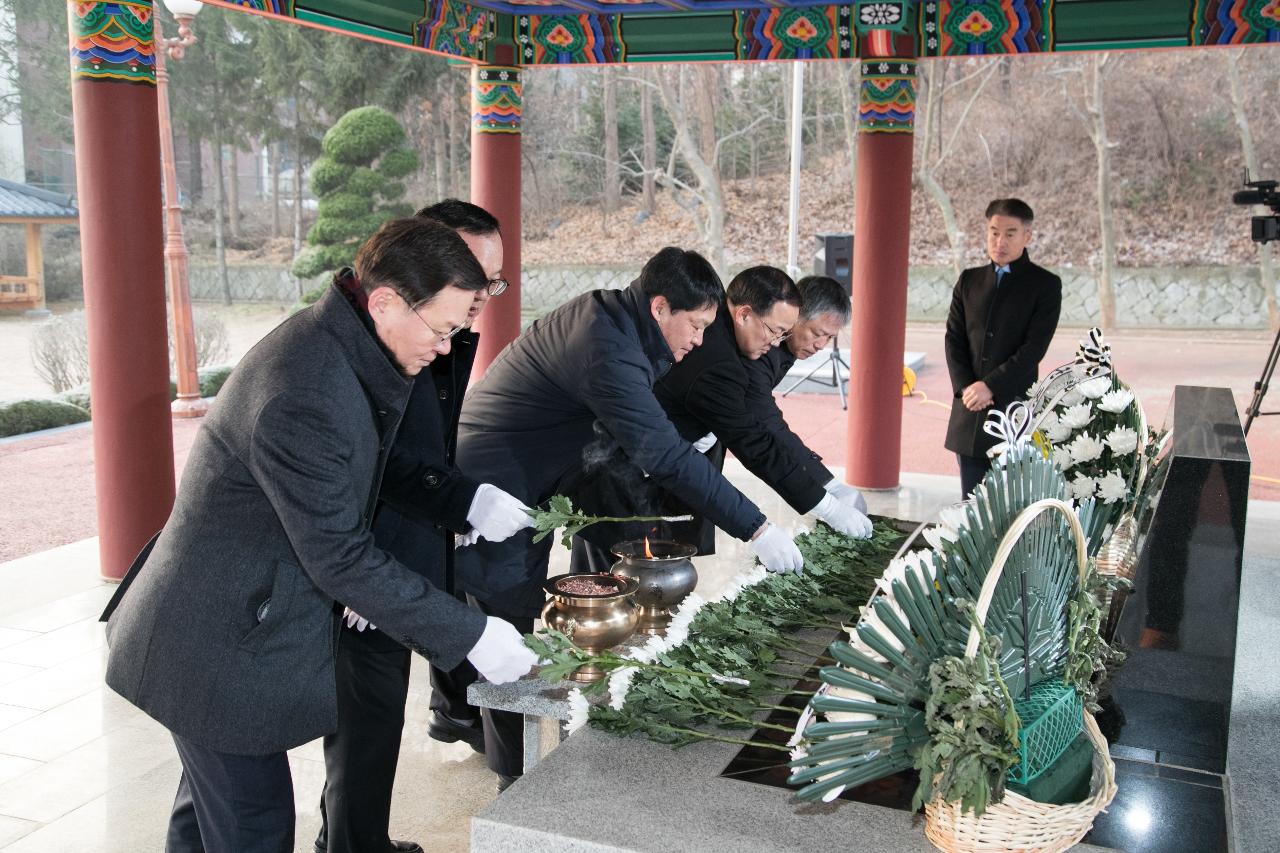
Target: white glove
column 500, row 654
column 776, row 551
column 355, row 620
column 843, row 517
column 496, row 514
column 705, row 443
column 846, row 493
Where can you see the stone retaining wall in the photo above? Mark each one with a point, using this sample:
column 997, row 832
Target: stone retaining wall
column 1187, row 297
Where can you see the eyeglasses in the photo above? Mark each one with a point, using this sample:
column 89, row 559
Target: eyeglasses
column 441, row 337
column 497, row 286
column 775, row 337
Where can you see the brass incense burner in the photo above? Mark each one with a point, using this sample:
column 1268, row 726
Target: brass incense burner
column 595, row 620
column 665, row 573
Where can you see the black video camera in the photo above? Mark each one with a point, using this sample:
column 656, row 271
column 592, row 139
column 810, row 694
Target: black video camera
column 1265, row 228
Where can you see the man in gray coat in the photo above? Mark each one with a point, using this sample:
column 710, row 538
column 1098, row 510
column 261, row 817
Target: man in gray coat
column 226, row 634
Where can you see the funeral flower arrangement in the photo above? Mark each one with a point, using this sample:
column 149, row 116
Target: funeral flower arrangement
column 1096, row 432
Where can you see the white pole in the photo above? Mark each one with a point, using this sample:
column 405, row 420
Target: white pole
column 797, row 119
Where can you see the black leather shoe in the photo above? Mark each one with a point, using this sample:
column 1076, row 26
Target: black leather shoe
column 448, row 730
column 396, row 847
column 505, row 781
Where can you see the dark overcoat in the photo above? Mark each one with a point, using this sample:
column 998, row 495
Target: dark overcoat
column 227, row 633
column 708, row 392
column 763, row 375
column 997, row 335
column 593, row 361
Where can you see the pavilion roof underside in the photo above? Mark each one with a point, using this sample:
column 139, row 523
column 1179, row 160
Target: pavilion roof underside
column 608, row 31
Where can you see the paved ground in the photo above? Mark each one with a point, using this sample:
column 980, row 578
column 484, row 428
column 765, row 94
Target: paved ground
column 52, row 474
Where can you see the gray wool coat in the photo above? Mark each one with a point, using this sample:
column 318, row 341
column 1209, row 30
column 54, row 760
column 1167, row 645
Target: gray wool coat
column 226, row 630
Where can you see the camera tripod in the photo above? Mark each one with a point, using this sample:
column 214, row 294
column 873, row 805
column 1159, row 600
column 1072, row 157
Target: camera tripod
column 1260, row 387
column 833, row 360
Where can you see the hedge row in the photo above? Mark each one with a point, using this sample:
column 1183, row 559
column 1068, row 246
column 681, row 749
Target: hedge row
column 72, row 407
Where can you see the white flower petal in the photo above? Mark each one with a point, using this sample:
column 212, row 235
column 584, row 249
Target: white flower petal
column 1112, row 487
column 1095, row 388
column 579, row 708
column 1116, row 401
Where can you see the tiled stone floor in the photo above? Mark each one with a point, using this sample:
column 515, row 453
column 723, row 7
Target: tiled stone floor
column 81, row 769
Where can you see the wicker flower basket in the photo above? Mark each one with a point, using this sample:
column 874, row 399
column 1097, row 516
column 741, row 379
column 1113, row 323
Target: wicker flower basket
column 1017, row 824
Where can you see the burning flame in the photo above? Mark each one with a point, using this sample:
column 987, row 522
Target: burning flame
column 648, row 552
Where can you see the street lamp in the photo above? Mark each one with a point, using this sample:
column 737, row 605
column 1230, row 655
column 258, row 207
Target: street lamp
column 188, row 404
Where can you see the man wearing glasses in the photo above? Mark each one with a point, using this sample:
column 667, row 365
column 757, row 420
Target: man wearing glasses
column 224, row 629
column 424, row 501
column 824, row 313
column 588, row 368
column 706, row 397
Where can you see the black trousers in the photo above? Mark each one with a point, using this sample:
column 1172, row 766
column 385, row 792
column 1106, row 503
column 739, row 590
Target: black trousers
column 231, row 803
column 972, row 470
column 360, row 758
column 503, row 730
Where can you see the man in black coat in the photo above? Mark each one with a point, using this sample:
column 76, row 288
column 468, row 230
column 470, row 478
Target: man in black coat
column 824, row 312
column 524, row 427
column 1003, row 316
column 423, row 502
column 706, row 397
column 225, row 628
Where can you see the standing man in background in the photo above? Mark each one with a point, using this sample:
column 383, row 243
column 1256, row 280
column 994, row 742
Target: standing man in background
column 1003, row 316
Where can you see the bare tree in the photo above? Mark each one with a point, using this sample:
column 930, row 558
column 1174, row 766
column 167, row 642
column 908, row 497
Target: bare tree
column 1265, row 272
column 710, row 193
column 850, row 80
column 612, row 177
column 926, row 166
column 649, row 144
column 1095, row 106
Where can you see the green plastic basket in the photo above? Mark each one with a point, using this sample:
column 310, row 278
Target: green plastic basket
column 1052, row 717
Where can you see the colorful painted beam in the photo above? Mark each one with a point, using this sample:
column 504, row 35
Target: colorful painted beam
column 598, row 32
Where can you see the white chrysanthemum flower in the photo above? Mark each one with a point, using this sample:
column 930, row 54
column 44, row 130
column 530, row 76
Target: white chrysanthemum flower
column 619, row 685
column 1112, row 487
column 1116, row 401
column 678, row 627
column 1122, row 440
column 1062, row 458
column 1058, row 433
column 1076, row 416
column 1071, row 398
column 579, row 708
column 1085, row 448
column 939, row 536
column 1048, row 422
column 954, row 516
column 1083, row 486
column 1095, row 388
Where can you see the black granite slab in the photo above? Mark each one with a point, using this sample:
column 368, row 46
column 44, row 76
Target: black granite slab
column 1172, row 698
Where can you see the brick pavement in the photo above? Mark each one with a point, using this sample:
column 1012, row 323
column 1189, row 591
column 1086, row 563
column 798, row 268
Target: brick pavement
column 47, row 480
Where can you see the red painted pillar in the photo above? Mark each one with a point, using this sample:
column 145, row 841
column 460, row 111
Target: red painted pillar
column 117, row 142
column 882, row 221
column 495, row 186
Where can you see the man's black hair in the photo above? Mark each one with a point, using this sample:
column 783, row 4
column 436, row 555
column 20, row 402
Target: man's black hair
column 1015, row 207
column 462, row 216
column 823, row 295
column 684, row 277
column 417, row 258
column 762, row 288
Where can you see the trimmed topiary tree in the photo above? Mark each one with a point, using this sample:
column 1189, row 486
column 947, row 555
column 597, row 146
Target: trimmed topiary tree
column 359, row 181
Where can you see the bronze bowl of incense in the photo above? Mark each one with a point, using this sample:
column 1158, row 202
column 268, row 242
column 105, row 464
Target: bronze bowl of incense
column 596, row 612
column 666, row 575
